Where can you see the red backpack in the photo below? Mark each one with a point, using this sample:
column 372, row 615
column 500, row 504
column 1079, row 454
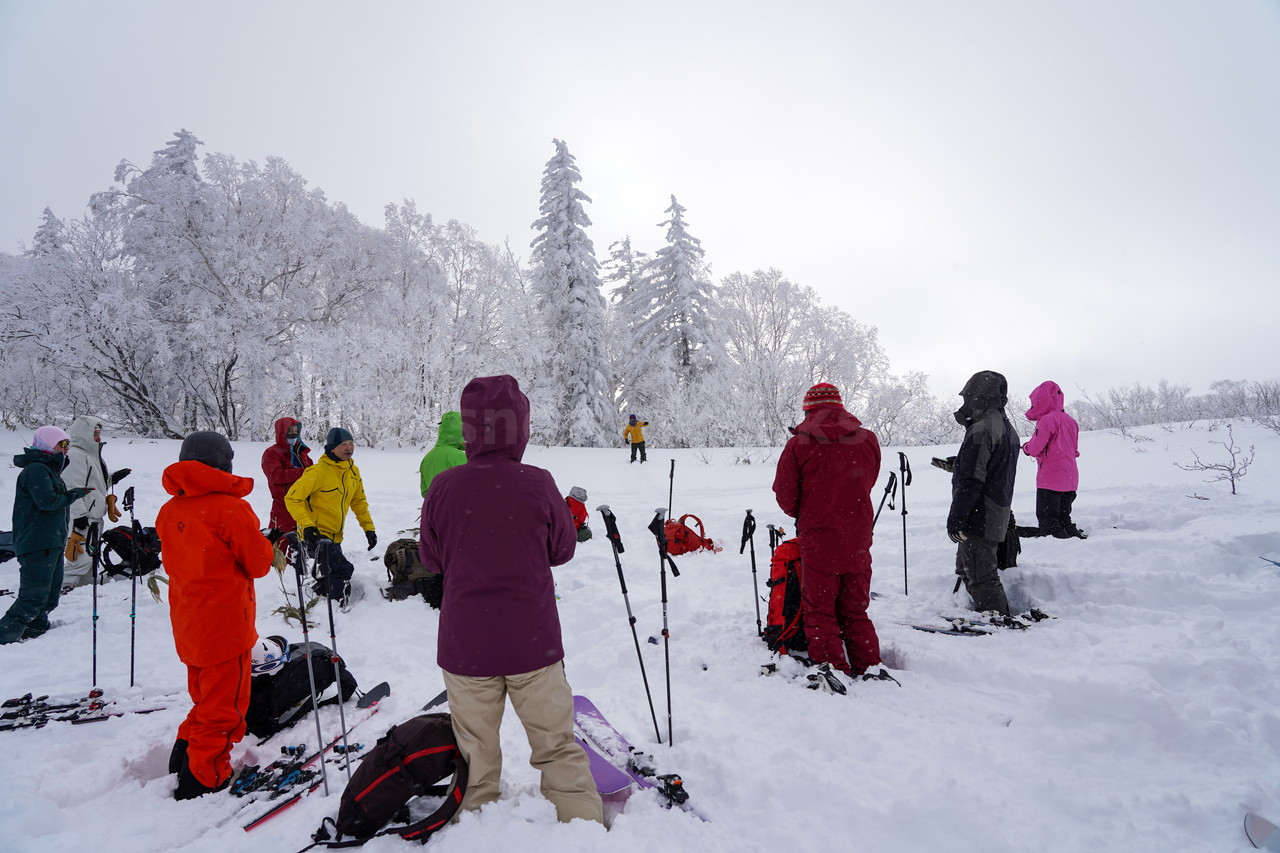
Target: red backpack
column 785, row 629
column 681, row 539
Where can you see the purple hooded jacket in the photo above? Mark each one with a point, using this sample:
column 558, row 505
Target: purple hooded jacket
column 494, row 527
column 1054, row 444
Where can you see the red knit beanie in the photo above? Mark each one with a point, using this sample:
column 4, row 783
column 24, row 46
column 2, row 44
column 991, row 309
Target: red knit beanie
column 822, row 394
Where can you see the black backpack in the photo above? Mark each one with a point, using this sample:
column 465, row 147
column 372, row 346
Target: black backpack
column 407, row 575
column 6, row 546
column 119, row 541
column 279, row 699
column 409, row 761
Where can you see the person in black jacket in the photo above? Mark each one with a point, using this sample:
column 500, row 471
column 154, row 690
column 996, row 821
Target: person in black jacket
column 982, row 488
column 40, row 519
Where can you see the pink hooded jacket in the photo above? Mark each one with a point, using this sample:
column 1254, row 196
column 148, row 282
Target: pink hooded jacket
column 1055, row 442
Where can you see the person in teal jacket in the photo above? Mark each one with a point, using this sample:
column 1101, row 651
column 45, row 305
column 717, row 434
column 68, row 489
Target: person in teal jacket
column 41, row 516
column 447, row 453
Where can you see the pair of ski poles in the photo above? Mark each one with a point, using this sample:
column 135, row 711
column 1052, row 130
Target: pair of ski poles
column 658, row 528
column 94, row 546
column 891, row 492
column 320, row 557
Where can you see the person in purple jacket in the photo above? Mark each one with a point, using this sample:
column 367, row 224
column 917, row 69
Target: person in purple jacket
column 1055, row 448
column 493, row 528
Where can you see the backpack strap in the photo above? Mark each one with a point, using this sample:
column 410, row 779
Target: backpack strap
column 702, row 532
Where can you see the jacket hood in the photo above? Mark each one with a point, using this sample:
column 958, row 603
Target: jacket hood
column 282, row 427
column 192, row 479
column 1046, row 399
column 495, row 417
column 985, row 390
column 81, row 433
column 829, row 421
column 29, row 455
column 450, row 430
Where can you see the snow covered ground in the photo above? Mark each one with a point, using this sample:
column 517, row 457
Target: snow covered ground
column 1147, row 717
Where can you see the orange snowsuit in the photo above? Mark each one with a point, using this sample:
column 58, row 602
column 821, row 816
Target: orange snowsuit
column 213, row 550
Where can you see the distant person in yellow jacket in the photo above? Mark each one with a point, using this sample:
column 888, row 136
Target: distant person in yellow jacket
column 319, row 501
column 634, row 434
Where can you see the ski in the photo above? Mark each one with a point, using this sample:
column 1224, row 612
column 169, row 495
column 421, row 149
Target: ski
column 299, row 781
column 28, row 711
column 1262, row 833
column 821, row 677
column 596, row 732
column 441, row 698
column 968, row 626
column 374, row 695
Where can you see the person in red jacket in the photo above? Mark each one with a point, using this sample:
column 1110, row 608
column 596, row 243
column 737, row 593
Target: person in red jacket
column 577, row 502
column 824, row 480
column 213, row 551
column 283, row 463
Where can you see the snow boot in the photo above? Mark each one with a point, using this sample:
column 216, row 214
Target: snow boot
column 189, row 787
column 178, row 757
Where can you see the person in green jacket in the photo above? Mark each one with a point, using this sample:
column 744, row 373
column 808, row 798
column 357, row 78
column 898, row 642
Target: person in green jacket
column 41, row 515
column 446, row 454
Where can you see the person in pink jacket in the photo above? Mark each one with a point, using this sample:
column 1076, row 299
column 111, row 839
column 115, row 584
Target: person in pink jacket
column 1055, row 448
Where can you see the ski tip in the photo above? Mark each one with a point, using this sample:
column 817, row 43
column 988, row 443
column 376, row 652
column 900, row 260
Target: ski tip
column 603, row 508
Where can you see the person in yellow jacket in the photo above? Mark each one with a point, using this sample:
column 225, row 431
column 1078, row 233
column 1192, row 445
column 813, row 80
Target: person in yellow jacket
column 319, row 501
column 634, row 434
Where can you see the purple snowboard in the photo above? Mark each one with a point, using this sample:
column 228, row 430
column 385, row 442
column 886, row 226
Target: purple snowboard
column 592, row 727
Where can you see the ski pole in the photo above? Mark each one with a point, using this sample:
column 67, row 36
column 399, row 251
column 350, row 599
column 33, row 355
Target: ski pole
column 656, row 527
column 890, row 492
column 905, row 467
column 325, row 547
column 95, row 543
column 749, row 535
column 136, row 530
column 300, row 569
column 671, row 486
column 615, row 541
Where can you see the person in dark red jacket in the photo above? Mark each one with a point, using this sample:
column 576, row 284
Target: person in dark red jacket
column 213, row 552
column 283, row 463
column 493, row 528
column 824, row 480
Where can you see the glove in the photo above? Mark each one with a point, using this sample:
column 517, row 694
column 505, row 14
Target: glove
column 956, row 536
column 373, row 539
column 310, row 535
column 112, row 513
column 120, row 475
column 81, row 491
column 81, row 523
column 273, row 535
column 75, row 546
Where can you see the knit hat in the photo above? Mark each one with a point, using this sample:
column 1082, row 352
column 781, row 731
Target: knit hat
column 209, row 447
column 632, row 419
column 337, row 436
column 822, row 394
column 47, row 438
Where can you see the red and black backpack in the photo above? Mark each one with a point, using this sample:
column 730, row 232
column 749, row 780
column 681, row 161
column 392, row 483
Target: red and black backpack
column 785, row 629
column 409, row 761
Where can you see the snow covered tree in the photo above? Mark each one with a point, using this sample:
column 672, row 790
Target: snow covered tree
column 566, row 284
column 678, row 289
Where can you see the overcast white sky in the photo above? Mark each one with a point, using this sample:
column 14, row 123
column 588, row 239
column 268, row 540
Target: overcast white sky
column 1082, row 190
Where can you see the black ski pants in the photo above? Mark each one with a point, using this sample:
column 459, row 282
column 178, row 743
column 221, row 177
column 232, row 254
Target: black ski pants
column 1053, row 512
column 39, row 591
column 638, row 445
column 976, row 565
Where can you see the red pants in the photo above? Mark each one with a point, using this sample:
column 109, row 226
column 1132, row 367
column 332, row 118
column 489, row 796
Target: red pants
column 836, row 622
column 216, row 721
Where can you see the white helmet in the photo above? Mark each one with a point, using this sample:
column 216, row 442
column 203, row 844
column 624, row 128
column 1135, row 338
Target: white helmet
column 269, row 654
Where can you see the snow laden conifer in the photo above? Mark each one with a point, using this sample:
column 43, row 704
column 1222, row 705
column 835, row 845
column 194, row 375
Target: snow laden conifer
column 566, row 282
column 666, row 307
